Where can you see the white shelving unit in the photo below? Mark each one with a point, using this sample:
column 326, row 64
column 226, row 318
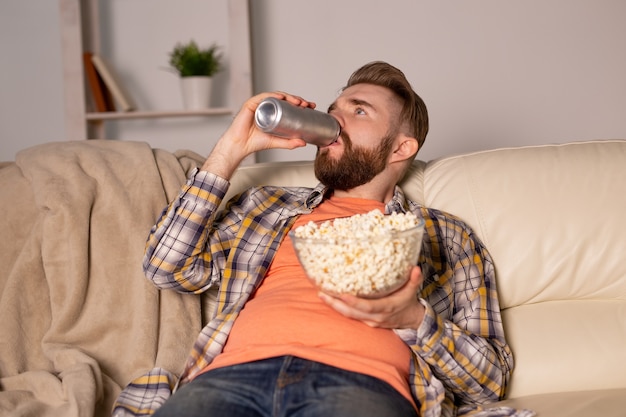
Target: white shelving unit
column 79, row 22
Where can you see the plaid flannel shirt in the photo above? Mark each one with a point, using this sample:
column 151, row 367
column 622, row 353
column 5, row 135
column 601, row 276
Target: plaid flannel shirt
column 460, row 358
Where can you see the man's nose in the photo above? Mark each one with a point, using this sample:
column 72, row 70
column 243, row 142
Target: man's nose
column 337, row 115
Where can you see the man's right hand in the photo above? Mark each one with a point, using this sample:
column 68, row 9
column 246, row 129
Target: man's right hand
column 244, row 138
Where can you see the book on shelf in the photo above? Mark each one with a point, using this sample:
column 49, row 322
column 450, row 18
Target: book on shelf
column 102, row 98
column 108, row 97
column 111, row 82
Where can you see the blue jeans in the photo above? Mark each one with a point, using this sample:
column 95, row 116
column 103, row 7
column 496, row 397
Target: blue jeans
column 285, row 386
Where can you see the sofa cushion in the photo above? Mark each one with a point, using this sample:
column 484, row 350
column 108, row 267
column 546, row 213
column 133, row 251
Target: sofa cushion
column 567, row 345
column 604, row 403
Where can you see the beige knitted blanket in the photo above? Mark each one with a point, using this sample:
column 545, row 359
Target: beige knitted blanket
column 78, row 320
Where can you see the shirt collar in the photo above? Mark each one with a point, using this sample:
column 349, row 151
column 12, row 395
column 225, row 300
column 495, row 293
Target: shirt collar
column 397, row 204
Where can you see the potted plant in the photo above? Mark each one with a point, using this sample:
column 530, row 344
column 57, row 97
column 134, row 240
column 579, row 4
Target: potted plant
column 196, row 66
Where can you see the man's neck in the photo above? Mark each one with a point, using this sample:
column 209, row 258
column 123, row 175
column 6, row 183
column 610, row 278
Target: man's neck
column 367, row 192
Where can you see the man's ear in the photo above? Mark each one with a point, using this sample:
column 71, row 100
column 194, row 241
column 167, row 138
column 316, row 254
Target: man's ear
column 406, row 147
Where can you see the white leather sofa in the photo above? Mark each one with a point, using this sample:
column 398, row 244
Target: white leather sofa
column 79, row 321
column 554, row 219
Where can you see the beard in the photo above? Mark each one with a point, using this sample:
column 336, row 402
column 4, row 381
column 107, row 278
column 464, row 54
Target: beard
column 357, row 165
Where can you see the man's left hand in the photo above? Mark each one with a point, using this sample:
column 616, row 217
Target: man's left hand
column 398, row 310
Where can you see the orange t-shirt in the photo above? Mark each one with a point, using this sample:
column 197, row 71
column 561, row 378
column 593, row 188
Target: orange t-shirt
column 285, row 316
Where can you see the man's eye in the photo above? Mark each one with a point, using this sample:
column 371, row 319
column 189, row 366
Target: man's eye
column 359, row 110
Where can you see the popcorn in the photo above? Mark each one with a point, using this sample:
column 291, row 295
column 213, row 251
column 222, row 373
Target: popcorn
column 368, row 255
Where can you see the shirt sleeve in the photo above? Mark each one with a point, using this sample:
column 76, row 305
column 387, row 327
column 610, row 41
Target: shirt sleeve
column 175, row 256
column 461, row 338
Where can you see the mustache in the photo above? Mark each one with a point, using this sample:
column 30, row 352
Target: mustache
column 345, row 137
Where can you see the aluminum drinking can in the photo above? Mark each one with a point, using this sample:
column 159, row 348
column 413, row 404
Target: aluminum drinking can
column 280, row 118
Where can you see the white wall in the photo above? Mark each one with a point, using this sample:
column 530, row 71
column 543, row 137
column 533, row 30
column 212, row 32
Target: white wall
column 492, row 73
column 31, row 92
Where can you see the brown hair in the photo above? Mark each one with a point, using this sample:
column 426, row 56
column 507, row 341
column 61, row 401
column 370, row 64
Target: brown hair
column 414, row 111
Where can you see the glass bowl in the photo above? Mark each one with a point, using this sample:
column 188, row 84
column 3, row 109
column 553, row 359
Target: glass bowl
column 368, row 267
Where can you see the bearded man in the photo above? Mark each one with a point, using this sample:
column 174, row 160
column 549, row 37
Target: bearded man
column 277, row 346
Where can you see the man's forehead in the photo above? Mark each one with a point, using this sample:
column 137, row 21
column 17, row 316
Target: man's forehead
column 374, row 96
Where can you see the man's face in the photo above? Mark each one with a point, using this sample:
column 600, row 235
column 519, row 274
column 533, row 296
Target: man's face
column 365, row 113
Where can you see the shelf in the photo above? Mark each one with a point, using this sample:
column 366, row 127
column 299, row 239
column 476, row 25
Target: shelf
column 76, row 15
column 99, row 116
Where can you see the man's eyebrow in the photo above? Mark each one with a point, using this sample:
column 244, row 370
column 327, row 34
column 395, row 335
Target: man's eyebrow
column 359, row 102
column 353, row 102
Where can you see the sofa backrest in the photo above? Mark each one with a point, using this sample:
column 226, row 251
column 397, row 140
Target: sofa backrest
column 552, row 217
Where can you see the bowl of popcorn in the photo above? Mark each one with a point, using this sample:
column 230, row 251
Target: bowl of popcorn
column 368, row 255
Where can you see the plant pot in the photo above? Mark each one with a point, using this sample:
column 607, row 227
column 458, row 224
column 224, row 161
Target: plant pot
column 196, row 92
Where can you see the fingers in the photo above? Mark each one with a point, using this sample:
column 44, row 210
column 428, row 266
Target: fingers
column 243, row 138
column 244, row 120
column 400, row 309
column 372, row 312
column 291, row 98
column 276, row 141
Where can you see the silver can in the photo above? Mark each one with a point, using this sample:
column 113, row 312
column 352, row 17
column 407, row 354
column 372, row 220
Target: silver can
column 281, row 118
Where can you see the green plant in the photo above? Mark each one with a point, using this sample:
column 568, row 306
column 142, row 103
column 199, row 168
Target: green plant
column 189, row 60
